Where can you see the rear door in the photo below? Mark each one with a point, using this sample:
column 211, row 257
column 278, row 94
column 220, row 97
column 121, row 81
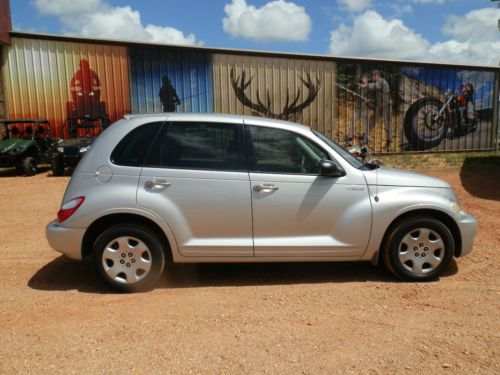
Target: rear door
column 196, row 179
column 297, row 212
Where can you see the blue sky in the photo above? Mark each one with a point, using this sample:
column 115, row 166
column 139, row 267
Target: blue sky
column 461, row 31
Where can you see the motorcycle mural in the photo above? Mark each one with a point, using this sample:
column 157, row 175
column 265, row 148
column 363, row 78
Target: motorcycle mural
column 429, row 120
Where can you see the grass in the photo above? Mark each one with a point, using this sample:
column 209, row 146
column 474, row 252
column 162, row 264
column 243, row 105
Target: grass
column 448, row 161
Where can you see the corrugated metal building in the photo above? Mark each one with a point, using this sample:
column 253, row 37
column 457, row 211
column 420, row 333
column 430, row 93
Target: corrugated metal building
column 392, row 103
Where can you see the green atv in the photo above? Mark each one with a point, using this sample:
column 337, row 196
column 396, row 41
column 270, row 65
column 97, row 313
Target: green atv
column 82, row 131
column 26, row 143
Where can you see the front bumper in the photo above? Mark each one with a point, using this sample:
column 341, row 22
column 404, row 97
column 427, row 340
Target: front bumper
column 468, row 228
column 67, row 241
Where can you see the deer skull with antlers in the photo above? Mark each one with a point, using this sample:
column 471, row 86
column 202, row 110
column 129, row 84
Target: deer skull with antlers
column 289, row 110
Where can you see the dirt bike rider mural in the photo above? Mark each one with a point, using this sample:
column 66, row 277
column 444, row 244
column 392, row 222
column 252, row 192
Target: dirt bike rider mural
column 86, row 104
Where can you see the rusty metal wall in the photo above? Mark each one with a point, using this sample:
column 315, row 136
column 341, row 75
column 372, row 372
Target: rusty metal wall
column 59, row 77
column 276, row 77
column 56, row 80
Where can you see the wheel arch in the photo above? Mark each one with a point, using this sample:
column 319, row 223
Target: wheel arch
column 436, row 214
column 104, row 222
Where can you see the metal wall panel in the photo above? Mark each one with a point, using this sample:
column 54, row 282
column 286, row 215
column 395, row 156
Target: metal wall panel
column 402, row 107
column 170, row 80
column 57, row 80
column 394, row 106
column 291, row 89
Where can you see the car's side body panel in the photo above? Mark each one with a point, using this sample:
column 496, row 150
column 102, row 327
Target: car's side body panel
column 209, row 211
column 310, row 216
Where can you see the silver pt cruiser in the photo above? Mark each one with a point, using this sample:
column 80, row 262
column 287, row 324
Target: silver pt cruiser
column 217, row 188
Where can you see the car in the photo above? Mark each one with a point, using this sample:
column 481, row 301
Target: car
column 25, row 143
column 200, row 188
column 82, row 131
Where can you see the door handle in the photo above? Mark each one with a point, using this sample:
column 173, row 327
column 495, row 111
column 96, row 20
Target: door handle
column 265, row 188
column 156, row 184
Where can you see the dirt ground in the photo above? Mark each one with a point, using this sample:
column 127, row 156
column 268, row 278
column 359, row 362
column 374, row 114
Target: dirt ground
column 57, row 317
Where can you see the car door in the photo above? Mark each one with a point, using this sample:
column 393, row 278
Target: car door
column 297, row 212
column 195, row 178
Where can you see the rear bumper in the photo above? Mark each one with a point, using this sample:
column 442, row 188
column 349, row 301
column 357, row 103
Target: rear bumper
column 468, row 228
column 67, row 241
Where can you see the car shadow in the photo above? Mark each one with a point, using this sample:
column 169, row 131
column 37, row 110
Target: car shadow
column 478, row 176
column 66, row 274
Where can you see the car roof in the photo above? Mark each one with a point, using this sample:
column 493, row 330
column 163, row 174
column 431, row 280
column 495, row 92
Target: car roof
column 253, row 120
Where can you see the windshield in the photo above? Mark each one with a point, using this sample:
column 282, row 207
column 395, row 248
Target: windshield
column 355, row 162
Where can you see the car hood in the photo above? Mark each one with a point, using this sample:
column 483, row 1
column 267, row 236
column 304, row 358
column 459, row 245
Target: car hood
column 11, row 144
column 385, row 176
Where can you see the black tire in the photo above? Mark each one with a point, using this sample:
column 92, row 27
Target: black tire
column 394, row 249
column 136, row 233
column 432, row 133
column 29, row 166
column 57, row 165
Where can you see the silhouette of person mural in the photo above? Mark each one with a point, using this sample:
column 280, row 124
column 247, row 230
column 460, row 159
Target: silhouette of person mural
column 85, row 104
column 168, row 95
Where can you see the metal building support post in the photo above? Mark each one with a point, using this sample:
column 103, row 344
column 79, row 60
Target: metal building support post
column 3, row 106
column 496, row 98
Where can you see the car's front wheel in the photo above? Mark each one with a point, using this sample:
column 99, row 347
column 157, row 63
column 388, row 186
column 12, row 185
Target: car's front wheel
column 130, row 258
column 418, row 248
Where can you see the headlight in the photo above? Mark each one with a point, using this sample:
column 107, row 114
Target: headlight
column 84, row 149
column 457, row 208
column 60, row 150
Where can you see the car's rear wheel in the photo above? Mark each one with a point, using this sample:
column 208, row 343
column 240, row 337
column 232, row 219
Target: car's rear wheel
column 29, row 166
column 418, row 249
column 130, row 258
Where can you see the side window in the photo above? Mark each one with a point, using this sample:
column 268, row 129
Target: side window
column 198, row 145
column 283, row 151
column 133, row 148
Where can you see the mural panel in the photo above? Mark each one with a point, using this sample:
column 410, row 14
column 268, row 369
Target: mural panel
column 170, row 80
column 408, row 108
column 289, row 89
column 66, row 82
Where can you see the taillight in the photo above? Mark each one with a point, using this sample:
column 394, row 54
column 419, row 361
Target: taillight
column 69, row 208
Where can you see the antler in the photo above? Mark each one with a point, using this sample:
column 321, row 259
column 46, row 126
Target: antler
column 292, row 108
column 240, row 84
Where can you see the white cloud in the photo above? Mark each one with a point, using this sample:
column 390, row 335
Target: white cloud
column 275, row 21
column 477, row 24
column 354, row 5
column 373, row 36
column 473, row 39
column 64, row 7
column 96, row 18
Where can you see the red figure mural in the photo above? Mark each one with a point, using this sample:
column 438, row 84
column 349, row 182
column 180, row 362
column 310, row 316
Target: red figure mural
column 86, row 107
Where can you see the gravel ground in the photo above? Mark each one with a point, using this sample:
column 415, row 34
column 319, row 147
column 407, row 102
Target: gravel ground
column 57, row 317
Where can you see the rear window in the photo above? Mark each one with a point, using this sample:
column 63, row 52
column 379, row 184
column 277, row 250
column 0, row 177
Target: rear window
column 133, row 148
column 198, row 145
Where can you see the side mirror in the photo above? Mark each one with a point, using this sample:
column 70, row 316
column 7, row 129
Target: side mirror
column 329, row 169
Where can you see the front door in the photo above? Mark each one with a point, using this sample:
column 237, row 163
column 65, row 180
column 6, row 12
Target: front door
column 297, row 212
column 195, row 178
